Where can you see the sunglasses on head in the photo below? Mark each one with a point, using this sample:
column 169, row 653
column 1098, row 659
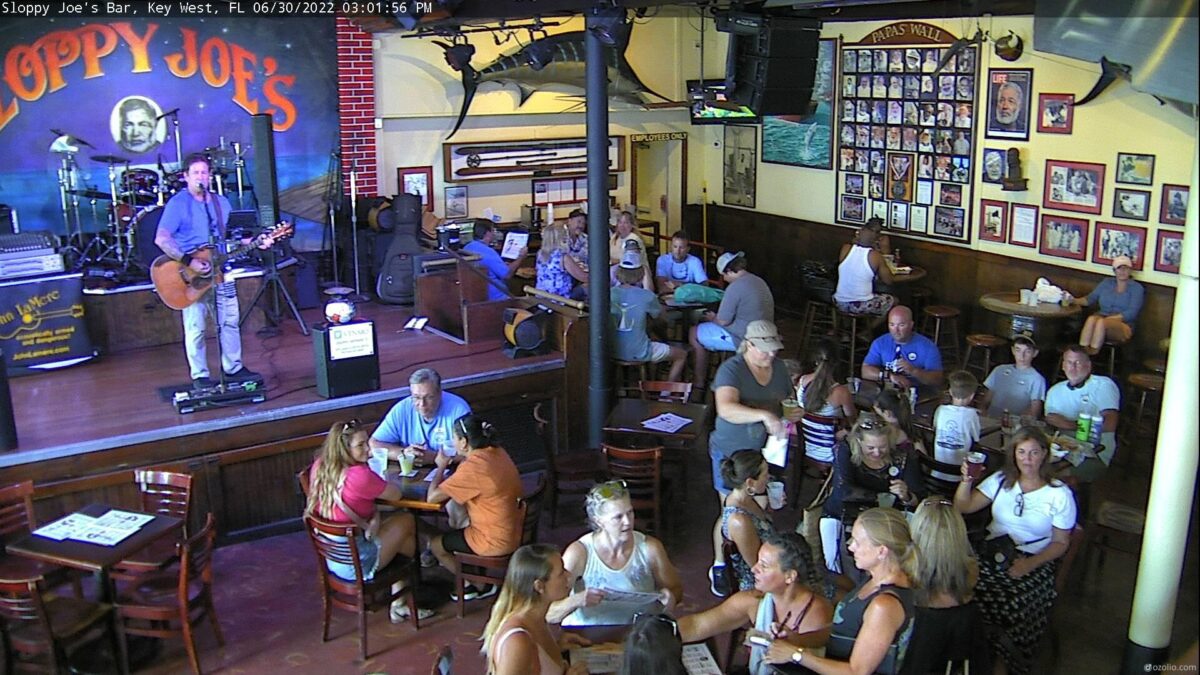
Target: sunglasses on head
column 350, row 425
column 871, row 425
column 611, row 489
column 661, row 618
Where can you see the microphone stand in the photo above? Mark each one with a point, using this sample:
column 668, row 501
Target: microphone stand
column 212, row 297
column 358, row 294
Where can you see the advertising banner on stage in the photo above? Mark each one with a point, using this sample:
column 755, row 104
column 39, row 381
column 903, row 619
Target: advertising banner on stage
column 97, row 102
column 41, row 322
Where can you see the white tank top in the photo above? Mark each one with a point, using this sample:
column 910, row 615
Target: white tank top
column 636, row 576
column 855, row 276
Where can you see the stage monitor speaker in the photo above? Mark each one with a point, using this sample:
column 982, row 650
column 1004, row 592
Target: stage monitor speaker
column 347, row 358
column 772, row 71
column 266, row 187
column 8, row 421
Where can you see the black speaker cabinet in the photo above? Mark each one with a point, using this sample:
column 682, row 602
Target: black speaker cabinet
column 266, row 187
column 773, row 71
column 347, row 358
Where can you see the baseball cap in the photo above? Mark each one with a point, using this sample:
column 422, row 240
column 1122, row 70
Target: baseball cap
column 726, row 258
column 632, row 259
column 764, row 335
column 1122, row 260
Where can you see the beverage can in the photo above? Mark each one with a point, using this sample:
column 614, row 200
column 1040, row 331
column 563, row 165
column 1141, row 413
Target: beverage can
column 1083, row 427
column 1097, row 428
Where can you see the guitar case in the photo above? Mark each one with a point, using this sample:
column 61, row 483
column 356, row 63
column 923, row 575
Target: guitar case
column 395, row 283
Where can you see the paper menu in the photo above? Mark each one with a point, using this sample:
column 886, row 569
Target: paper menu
column 123, row 520
column 108, row 530
column 698, row 660
column 65, row 528
column 601, row 658
column 513, row 243
column 666, row 422
column 629, row 597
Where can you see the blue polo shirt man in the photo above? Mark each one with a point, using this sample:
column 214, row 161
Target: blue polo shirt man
column 497, row 269
column 903, row 356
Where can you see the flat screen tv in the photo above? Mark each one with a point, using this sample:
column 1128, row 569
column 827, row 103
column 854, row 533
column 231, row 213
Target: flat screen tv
column 708, row 104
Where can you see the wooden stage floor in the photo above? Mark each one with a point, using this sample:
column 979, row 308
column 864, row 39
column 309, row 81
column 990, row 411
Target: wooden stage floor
column 114, row 401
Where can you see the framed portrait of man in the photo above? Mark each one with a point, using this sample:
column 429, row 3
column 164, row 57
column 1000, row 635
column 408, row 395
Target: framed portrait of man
column 1008, row 103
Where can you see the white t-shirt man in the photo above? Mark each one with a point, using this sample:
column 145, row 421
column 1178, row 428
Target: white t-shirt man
column 1097, row 394
column 956, row 429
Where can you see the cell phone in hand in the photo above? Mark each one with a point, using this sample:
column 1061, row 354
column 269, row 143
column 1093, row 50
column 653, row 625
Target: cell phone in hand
column 760, row 641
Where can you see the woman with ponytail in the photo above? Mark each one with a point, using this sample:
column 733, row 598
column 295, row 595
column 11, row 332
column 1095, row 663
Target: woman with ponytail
column 488, row 485
column 819, row 393
column 873, row 623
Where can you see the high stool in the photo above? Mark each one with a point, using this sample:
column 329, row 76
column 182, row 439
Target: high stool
column 1117, row 528
column 945, row 337
column 986, row 343
column 624, row 386
column 851, row 332
column 820, row 318
column 1108, row 355
column 1145, row 385
column 919, row 298
column 1156, row 365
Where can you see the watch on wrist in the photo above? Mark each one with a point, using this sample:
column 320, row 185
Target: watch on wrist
column 798, row 656
column 186, row 259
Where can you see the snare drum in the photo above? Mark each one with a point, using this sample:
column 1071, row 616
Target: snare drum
column 141, row 185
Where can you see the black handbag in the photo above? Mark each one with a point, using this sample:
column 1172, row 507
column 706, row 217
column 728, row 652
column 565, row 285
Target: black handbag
column 1003, row 550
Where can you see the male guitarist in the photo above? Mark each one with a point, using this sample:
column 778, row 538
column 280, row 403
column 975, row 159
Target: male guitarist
column 191, row 220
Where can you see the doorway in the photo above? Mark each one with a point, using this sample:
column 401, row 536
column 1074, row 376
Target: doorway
column 658, row 177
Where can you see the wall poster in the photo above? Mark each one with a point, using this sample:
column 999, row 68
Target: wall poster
column 907, row 129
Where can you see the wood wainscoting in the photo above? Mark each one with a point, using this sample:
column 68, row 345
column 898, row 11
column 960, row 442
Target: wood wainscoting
column 774, row 245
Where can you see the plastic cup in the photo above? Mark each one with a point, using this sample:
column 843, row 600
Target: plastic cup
column 1025, row 293
column 406, row 463
column 775, row 496
column 790, row 406
column 378, row 461
column 885, row 500
column 976, row 463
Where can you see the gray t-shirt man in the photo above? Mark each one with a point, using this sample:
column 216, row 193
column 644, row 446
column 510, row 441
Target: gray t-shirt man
column 1013, row 389
column 747, row 299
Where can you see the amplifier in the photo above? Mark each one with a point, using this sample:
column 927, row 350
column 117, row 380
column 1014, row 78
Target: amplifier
column 45, row 263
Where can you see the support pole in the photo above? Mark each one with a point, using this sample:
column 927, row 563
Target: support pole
column 1173, row 484
column 597, row 168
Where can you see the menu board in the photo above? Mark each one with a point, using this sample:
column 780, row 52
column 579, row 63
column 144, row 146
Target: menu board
column 906, row 135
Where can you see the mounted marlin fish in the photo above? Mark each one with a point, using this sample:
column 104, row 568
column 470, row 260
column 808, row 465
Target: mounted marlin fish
column 555, row 59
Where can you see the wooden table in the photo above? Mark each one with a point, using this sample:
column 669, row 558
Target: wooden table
column 1044, row 320
column 685, row 309
column 95, row 558
column 629, row 413
column 901, row 285
column 413, row 488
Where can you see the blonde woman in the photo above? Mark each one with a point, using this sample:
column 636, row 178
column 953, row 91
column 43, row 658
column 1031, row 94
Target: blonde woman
column 949, row 626
column 343, row 489
column 557, row 271
column 517, row 640
column 868, row 469
column 614, row 556
column 872, row 625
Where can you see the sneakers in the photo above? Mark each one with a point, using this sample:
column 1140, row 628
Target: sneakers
column 472, row 592
column 242, row 374
column 202, row 383
column 428, row 559
column 399, row 612
column 717, row 583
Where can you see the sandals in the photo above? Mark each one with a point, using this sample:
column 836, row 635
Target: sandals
column 400, row 614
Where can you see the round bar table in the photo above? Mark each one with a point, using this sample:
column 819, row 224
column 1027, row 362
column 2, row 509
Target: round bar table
column 1044, row 320
column 901, row 285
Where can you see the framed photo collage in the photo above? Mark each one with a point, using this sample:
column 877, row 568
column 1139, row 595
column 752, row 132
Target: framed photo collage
column 906, row 137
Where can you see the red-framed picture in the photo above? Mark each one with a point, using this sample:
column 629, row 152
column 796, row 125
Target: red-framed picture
column 1073, row 186
column 993, row 220
column 416, row 180
column 1064, row 237
column 1168, row 251
column 1056, row 113
column 1023, row 225
column 1174, row 204
column 1113, row 240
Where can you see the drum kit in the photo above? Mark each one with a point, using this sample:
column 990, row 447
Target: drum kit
column 123, row 217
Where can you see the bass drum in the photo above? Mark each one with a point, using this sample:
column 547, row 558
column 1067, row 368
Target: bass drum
column 145, row 226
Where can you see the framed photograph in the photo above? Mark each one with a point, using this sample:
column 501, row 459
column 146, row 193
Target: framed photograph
column 951, row 195
column 1009, row 97
column 1073, row 186
column 741, row 164
column 854, row 184
column 900, row 169
column 456, row 201
column 1064, row 237
column 808, row 140
column 993, row 220
column 416, row 180
column 1056, row 113
column 949, row 222
column 1132, row 204
column 898, row 216
column 853, row 209
column 879, row 209
column 918, row 219
column 995, row 165
column 1023, row 225
column 1135, row 169
column 1168, row 251
column 1174, row 204
column 1113, row 240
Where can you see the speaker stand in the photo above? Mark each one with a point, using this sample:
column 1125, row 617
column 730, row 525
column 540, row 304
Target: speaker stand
column 272, row 280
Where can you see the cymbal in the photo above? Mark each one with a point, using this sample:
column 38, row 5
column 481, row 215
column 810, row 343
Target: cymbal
column 90, row 194
column 218, row 152
column 110, row 159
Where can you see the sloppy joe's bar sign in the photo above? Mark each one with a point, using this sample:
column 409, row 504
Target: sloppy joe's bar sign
column 908, row 33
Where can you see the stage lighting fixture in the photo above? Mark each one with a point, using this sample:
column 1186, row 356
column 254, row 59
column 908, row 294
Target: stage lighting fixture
column 608, row 24
column 538, row 55
column 459, row 56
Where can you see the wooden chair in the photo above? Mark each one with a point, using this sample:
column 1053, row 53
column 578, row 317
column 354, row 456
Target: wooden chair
column 817, row 430
column 658, row 390
column 169, row 603
column 38, row 626
column 641, row 470
column 491, row 569
column 976, row 522
column 17, row 519
column 337, row 542
column 443, row 663
column 164, row 493
column 569, row 473
column 304, row 480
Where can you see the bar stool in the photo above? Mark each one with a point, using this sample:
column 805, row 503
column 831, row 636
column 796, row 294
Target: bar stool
column 948, row 333
column 624, row 386
column 849, row 332
column 820, row 318
column 919, row 299
column 986, row 343
column 1156, row 365
column 1145, row 385
column 1108, row 354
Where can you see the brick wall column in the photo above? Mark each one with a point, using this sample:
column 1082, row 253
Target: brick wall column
column 356, row 106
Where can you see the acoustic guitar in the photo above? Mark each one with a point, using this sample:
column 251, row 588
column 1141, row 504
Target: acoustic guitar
column 180, row 286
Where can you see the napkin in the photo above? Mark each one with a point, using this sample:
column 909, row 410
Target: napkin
column 1047, row 292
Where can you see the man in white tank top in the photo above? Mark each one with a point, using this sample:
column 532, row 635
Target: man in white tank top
column 858, row 265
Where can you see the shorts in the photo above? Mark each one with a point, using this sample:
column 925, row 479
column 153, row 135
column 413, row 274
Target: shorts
column 876, row 305
column 455, row 541
column 659, row 351
column 718, row 482
column 715, row 338
column 368, row 557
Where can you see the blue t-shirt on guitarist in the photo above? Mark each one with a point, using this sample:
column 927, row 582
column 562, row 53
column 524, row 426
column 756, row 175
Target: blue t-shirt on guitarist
column 188, row 220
